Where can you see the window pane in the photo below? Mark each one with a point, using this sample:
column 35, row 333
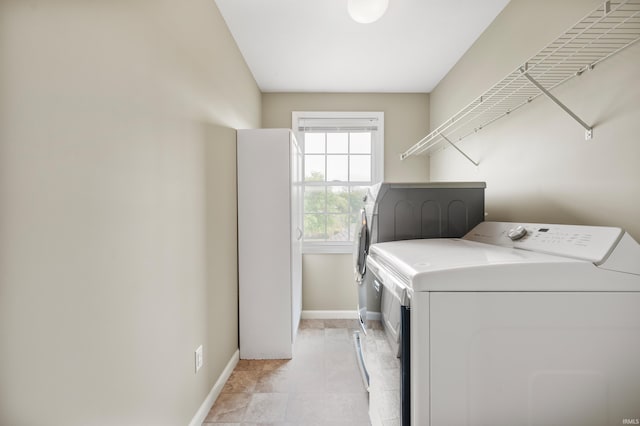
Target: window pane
column 337, row 227
column 360, row 143
column 337, row 143
column 337, row 168
column 314, row 168
column 360, row 168
column 339, row 162
column 315, row 199
column 314, row 143
column 315, row 227
column 338, row 199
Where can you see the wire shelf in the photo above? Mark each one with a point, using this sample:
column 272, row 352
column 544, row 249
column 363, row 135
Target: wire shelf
column 604, row 32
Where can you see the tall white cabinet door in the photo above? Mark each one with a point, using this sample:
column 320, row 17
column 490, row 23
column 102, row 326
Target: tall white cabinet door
column 296, row 233
column 268, row 246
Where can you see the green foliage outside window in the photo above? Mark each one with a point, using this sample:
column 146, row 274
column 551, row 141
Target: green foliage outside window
column 332, row 212
column 337, row 166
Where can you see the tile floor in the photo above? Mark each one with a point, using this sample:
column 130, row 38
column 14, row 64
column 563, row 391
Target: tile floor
column 320, row 386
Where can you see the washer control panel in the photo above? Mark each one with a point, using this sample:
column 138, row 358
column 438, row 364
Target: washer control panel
column 592, row 243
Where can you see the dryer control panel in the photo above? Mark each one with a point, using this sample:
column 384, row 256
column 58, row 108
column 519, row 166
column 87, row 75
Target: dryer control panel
column 592, row 243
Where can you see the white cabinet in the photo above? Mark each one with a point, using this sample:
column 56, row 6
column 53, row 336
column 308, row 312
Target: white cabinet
column 269, row 242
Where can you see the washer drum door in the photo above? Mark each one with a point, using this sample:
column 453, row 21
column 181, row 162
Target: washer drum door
column 361, row 248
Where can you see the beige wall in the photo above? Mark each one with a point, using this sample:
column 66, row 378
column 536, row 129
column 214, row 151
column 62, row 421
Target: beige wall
column 117, row 208
column 536, row 163
column 328, row 279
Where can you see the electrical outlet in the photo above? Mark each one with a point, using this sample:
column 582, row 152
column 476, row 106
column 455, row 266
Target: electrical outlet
column 199, row 358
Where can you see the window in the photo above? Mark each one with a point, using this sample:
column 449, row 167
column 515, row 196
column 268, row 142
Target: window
column 343, row 156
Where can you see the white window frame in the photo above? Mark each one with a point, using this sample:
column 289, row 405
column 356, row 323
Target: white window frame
column 377, row 166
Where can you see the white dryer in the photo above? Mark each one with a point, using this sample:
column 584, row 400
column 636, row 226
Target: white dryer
column 528, row 324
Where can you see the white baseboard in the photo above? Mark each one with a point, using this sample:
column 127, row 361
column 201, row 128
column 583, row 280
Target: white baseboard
column 337, row 315
column 329, row 315
column 375, row 316
column 208, row 402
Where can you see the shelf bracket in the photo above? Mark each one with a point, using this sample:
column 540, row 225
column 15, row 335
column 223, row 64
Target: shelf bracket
column 588, row 129
column 459, row 150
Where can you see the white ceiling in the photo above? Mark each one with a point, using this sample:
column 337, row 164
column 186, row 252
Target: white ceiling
column 313, row 45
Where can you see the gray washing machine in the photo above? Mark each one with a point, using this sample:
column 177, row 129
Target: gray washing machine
column 405, row 211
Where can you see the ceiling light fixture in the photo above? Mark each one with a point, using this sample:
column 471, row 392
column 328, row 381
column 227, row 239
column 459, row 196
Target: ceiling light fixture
column 367, row 11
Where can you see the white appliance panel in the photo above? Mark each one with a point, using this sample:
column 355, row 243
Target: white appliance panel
column 414, row 257
column 591, row 243
column 534, row 358
column 462, row 265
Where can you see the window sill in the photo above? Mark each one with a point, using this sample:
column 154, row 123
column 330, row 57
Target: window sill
column 327, row 248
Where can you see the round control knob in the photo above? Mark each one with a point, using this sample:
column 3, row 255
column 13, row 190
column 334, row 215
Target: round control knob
column 517, row 233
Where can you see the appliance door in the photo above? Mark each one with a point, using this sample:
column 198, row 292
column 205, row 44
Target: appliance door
column 399, row 296
column 361, row 248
